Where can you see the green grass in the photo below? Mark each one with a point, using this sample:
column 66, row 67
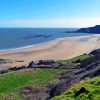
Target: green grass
column 92, row 85
column 11, row 82
column 81, row 57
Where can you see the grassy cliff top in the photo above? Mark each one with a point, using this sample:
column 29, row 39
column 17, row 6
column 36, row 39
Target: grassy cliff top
column 91, row 91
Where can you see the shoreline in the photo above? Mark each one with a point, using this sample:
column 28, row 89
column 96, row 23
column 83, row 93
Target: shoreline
column 57, row 49
column 43, row 43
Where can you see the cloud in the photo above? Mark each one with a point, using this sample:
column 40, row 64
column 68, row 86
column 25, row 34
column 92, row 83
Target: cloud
column 79, row 22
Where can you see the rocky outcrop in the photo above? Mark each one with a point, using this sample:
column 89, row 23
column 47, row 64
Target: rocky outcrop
column 88, row 68
column 95, row 52
column 36, row 93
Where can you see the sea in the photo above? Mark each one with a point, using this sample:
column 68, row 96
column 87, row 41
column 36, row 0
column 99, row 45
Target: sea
column 17, row 38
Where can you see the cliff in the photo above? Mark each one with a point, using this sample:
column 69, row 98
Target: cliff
column 95, row 29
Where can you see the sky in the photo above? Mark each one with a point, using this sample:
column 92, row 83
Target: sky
column 49, row 13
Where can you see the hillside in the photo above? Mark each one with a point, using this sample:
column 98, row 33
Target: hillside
column 44, row 83
column 85, row 90
column 95, row 30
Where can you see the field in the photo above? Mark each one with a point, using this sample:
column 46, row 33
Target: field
column 11, row 82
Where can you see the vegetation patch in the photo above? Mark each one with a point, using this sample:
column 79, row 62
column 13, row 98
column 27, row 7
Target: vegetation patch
column 81, row 57
column 85, row 90
column 10, row 83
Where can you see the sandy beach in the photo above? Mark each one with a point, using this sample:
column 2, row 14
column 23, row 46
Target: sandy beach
column 58, row 49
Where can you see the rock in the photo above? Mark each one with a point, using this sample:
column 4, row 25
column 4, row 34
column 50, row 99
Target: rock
column 45, row 62
column 29, row 90
column 17, row 68
column 61, row 86
column 38, row 96
column 31, row 64
column 36, row 93
column 3, row 71
column 94, row 52
column 97, row 73
column 82, row 90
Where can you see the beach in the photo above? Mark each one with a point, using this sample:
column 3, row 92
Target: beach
column 58, row 49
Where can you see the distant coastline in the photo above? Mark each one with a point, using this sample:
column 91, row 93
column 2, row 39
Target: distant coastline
column 92, row 30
